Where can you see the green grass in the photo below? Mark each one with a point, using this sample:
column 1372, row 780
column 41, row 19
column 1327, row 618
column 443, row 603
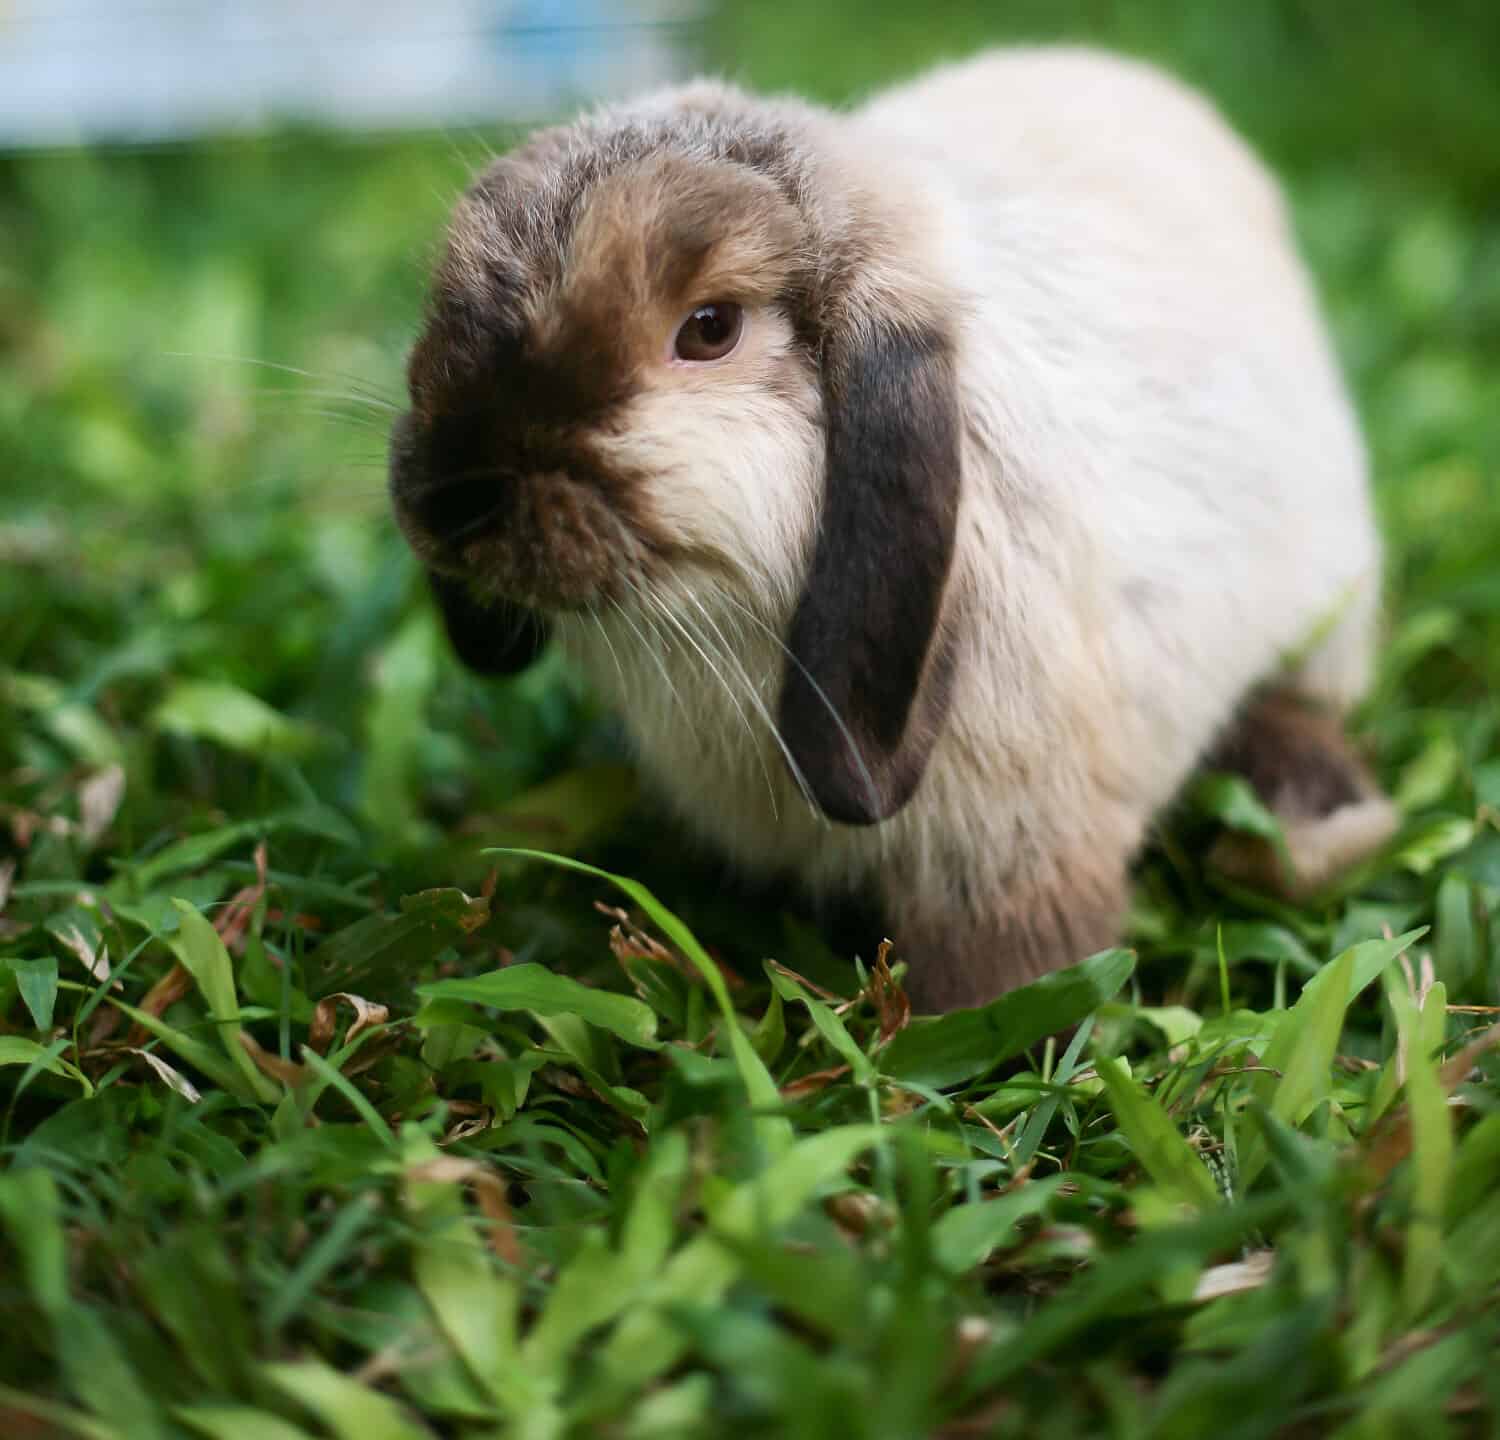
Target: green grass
column 558, row 1172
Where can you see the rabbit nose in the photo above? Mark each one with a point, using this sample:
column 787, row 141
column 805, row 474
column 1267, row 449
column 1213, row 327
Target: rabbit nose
column 444, row 476
column 454, row 507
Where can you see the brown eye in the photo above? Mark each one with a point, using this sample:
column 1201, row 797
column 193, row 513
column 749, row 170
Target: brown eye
column 710, row 332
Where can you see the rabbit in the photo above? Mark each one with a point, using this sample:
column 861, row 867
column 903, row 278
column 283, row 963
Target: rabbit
column 931, row 487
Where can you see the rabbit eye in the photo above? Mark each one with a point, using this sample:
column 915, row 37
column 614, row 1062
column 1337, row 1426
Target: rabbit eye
column 710, row 332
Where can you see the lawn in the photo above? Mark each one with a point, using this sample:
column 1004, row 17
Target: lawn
column 320, row 1118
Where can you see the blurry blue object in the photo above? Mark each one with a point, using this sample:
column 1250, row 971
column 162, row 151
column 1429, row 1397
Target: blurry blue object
column 153, row 69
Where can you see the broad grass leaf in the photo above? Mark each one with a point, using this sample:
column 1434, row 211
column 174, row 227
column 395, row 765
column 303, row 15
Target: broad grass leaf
column 204, row 957
column 1119, row 1283
column 1232, row 801
column 1302, row 1049
column 98, row 1371
column 352, row 1411
column 75, row 726
column 37, row 982
column 966, row 1235
column 1234, row 1395
column 545, row 992
column 48, row 1420
column 774, row 1370
column 1425, row 779
column 768, row 1038
column 829, row 1026
column 1456, row 945
column 15, row 1050
column 396, row 724
column 195, row 851
column 1432, row 1144
column 475, row 1302
column 826, row 1289
column 949, row 1049
column 328, row 1072
column 237, row 1422
column 1155, row 1140
column 192, row 1289
column 234, row 718
column 1259, row 940
column 598, row 1283
column 644, row 1344
column 773, row 1130
column 1475, row 1167
column 1368, row 960
column 1434, row 842
column 29, row 1210
column 382, row 947
column 204, row 1057
column 686, row 1410
column 1176, row 1022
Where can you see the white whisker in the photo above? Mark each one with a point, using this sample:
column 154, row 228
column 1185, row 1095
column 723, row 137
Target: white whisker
column 648, row 649
column 666, row 614
column 614, row 654
column 753, row 690
column 358, row 384
column 864, row 769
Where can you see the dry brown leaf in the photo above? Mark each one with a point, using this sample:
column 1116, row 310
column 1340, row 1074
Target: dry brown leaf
column 286, row 1071
column 1391, row 1143
column 99, row 800
column 811, row 1084
column 106, row 1021
column 7, row 879
column 167, row 991
column 234, row 920
column 366, row 1014
column 173, row 1079
column 1248, row 1274
column 807, row 984
column 892, row 1004
column 856, row 1212
column 96, row 963
column 490, row 1192
column 627, row 941
column 476, row 1118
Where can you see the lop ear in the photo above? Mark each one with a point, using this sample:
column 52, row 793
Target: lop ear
column 868, row 675
column 492, row 637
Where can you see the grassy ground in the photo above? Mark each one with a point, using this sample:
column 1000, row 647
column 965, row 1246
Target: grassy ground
column 299, row 1139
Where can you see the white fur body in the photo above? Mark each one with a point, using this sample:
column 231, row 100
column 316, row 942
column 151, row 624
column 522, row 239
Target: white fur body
column 1164, row 493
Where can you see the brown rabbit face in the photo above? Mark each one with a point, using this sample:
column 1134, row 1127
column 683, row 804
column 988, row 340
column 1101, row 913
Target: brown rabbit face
column 608, row 387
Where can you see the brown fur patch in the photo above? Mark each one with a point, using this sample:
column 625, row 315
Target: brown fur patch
column 970, row 956
column 668, row 234
column 1295, row 754
column 1303, row 767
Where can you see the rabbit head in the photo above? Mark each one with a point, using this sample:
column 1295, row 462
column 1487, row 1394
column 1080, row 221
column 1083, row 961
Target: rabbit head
column 682, row 348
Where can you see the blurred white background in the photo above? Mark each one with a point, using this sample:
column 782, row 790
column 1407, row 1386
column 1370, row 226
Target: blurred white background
column 75, row 70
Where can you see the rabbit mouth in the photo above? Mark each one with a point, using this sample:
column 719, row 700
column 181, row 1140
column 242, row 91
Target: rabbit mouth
column 546, row 538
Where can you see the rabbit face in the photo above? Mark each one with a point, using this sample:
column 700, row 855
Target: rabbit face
column 609, row 388
column 680, row 348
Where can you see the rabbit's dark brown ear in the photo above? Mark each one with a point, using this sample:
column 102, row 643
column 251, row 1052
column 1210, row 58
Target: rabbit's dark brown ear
column 492, row 637
column 867, row 678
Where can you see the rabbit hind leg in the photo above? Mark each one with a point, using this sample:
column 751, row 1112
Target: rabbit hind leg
column 1333, row 814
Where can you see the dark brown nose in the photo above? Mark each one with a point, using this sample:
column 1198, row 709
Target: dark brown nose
column 445, row 480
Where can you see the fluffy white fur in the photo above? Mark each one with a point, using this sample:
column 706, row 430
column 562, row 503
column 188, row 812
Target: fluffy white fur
column 1164, row 495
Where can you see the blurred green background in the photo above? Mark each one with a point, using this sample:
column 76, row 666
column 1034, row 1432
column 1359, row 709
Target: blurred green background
column 189, row 532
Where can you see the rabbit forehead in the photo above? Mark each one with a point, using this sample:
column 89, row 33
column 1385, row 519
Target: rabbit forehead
column 593, row 274
column 670, row 230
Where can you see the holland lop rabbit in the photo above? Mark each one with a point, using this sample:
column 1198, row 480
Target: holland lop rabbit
column 931, row 487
